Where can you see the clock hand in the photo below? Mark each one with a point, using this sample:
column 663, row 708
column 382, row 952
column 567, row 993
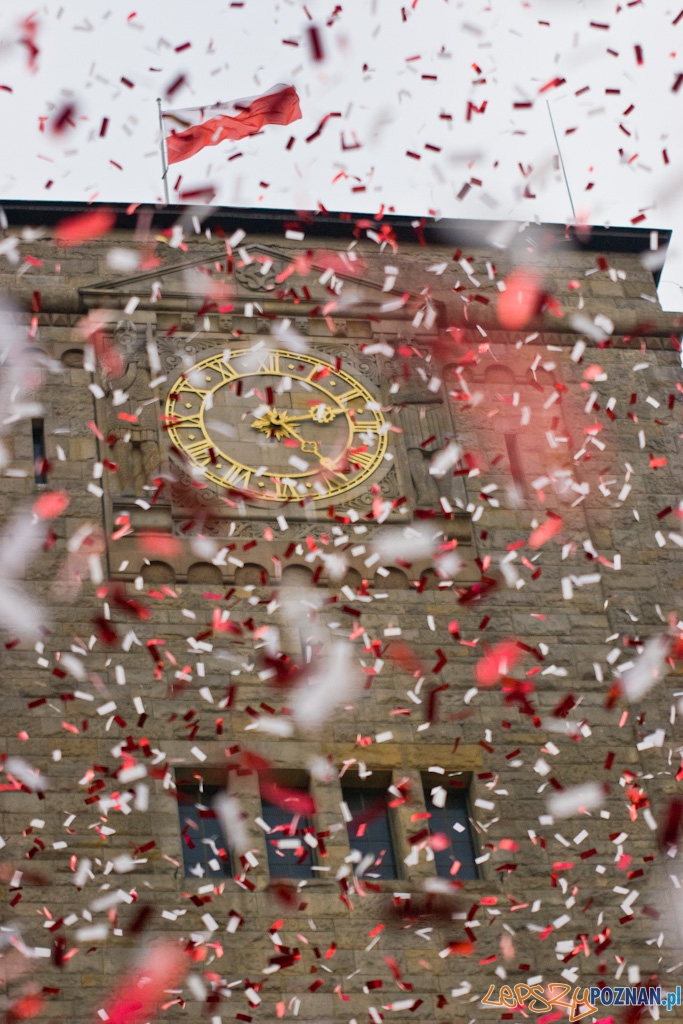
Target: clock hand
column 306, row 446
column 326, row 416
column 277, row 425
column 274, row 421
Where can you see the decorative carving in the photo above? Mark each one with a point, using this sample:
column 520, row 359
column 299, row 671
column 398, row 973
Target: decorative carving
column 356, row 362
column 388, row 488
column 127, row 339
column 224, row 323
column 252, row 277
column 187, row 321
column 302, row 324
column 136, row 451
column 427, row 428
column 425, row 487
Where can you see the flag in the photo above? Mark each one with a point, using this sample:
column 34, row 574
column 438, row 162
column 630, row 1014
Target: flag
column 197, row 127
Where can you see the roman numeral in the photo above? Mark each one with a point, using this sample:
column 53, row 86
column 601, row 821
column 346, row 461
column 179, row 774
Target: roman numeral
column 269, row 363
column 187, row 421
column 350, row 396
column 360, row 428
column 198, row 452
column 227, row 372
column 285, row 490
column 237, row 476
column 186, row 388
column 362, row 459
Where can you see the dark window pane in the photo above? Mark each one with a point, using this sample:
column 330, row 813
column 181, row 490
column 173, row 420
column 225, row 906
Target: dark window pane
column 288, row 855
column 200, row 834
column 451, row 821
column 39, row 457
column 371, row 818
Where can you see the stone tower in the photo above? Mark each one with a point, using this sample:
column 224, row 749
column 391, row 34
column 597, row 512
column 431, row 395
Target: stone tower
column 302, row 682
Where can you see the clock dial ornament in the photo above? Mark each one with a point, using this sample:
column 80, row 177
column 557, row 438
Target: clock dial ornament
column 279, row 425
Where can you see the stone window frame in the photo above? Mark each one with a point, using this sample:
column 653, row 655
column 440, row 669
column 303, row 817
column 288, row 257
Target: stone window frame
column 437, row 778
column 327, row 795
column 245, row 785
column 377, row 781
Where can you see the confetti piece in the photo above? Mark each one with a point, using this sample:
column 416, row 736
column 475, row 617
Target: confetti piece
column 648, row 670
column 229, row 812
column 543, row 533
column 51, row 504
column 84, row 227
column 137, row 997
column 497, row 663
column 314, row 701
column 586, row 797
column 520, row 301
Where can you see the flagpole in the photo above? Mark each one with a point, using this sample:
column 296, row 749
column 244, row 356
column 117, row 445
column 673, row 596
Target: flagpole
column 164, row 165
column 559, row 153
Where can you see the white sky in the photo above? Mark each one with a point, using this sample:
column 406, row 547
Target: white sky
column 87, row 46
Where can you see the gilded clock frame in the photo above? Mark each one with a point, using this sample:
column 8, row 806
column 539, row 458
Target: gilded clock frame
column 239, row 477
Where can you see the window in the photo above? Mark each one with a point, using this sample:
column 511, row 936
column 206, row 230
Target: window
column 447, row 804
column 39, row 451
column 287, row 808
column 289, row 855
column 204, row 846
column 370, row 828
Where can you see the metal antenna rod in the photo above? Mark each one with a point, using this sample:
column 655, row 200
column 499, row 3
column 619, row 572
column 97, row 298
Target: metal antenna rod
column 164, row 165
column 559, row 153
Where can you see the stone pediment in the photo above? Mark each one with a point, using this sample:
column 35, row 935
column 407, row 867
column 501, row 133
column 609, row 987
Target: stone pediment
column 271, row 275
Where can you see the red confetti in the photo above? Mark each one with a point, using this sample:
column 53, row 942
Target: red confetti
column 543, row 533
column 497, row 663
column 51, row 504
column 520, row 301
column 84, row 227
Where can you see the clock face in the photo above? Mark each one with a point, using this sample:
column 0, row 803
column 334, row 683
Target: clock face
column 277, row 424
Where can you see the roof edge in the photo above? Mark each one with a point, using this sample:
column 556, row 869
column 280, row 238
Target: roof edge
column 323, row 224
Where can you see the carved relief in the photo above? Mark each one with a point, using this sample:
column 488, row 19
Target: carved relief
column 253, row 278
column 352, row 360
column 388, row 489
column 136, row 451
column 426, row 424
column 127, row 338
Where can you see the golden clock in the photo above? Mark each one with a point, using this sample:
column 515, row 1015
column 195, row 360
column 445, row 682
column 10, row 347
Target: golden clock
column 279, row 425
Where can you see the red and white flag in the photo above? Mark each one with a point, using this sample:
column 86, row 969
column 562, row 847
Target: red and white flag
column 197, row 127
